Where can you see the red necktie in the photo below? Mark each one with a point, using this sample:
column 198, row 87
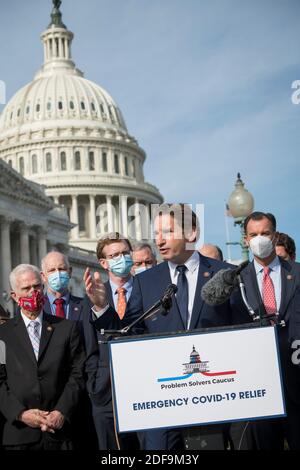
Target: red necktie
column 121, row 306
column 59, row 311
column 268, row 293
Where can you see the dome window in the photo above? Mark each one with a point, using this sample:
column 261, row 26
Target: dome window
column 34, row 164
column 77, row 161
column 63, row 161
column 38, row 108
column 48, row 162
column 126, row 166
column 72, row 105
column 93, row 106
column 101, row 107
column 27, row 109
column 11, row 115
column 91, row 161
column 10, row 162
column 49, row 106
column 117, row 165
column 81, row 219
column 19, row 112
column 21, row 166
column 82, row 105
column 104, row 162
column 60, row 105
column 133, row 169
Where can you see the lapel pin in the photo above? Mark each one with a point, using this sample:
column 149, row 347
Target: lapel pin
column 206, row 274
column 76, row 309
column 49, row 328
column 289, row 277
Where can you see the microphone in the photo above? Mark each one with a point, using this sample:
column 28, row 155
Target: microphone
column 220, row 287
column 166, row 300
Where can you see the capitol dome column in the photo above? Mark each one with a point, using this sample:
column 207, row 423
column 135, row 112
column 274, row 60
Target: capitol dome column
column 74, row 217
column 42, row 244
column 92, row 217
column 137, row 215
column 110, row 218
column 24, row 244
column 124, row 215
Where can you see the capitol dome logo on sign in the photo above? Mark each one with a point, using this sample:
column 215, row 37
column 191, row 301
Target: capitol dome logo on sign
column 196, row 366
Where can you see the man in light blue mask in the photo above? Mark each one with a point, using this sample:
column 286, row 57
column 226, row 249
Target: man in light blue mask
column 143, row 258
column 114, row 255
column 56, row 274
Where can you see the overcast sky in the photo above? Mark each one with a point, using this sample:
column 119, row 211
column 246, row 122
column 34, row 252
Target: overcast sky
column 204, row 86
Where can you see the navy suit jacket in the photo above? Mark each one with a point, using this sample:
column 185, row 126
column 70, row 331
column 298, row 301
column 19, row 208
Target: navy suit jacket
column 289, row 311
column 55, row 381
column 149, row 287
column 97, row 363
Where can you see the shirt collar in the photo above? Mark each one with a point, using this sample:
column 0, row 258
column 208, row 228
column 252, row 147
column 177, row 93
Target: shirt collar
column 274, row 266
column 27, row 320
column 127, row 285
column 192, row 263
column 52, row 297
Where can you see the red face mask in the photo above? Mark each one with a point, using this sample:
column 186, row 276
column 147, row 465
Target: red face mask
column 34, row 303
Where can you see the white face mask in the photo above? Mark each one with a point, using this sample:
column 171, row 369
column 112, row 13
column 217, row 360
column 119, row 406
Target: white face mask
column 261, row 246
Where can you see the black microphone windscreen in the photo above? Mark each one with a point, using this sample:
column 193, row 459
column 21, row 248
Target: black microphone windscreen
column 216, row 291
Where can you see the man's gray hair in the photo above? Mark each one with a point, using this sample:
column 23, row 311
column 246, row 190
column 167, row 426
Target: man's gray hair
column 44, row 260
column 143, row 246
column 22, row 269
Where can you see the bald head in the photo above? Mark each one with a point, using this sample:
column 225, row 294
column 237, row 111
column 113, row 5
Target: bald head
column 211, row 251
column 54, row 258
column 55, row 262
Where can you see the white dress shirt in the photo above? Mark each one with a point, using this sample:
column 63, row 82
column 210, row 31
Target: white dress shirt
column 275, row 275
column 192, row 265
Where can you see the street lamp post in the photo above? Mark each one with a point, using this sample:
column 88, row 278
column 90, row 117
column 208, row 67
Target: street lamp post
column 240, row 205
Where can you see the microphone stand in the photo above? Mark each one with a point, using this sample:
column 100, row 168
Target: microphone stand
column 165, row 303
column 251, row 312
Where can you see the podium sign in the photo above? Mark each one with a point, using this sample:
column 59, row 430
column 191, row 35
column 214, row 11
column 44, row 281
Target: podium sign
column 190, row 379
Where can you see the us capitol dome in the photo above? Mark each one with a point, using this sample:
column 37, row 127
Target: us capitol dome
column 67, row 133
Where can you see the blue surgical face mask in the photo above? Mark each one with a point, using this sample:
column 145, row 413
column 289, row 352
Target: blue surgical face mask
column 59, row 281
column 121, row 266
column 141, row 269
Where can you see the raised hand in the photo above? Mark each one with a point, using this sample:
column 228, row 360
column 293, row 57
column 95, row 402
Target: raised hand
column 95, row 289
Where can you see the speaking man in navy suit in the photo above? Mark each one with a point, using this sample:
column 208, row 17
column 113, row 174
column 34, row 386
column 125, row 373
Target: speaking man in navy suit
column 176, row 233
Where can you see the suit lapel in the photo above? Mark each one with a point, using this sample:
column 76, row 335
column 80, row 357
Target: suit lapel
column 252, row 290
column 23, row 337
column 47, row 331
column 165, row 282
column 74, row 309
column 288, row 278
column 205, row 273
column 47, row 307
column 109, row 294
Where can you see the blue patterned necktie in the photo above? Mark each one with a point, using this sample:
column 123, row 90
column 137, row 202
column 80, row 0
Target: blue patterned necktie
column 34, row 335
column 183, row 294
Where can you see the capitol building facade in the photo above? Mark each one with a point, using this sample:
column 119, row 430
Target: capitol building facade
column 64, row 139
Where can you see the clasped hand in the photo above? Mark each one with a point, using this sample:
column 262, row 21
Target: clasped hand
column 45, row 420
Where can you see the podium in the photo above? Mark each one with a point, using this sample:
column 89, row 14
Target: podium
column 196, row 377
